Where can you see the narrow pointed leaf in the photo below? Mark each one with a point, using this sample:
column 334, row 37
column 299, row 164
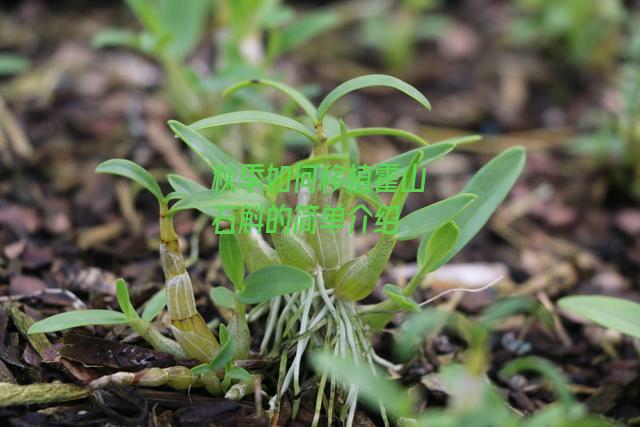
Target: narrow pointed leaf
column 155, row 305
column 273, row 281
column 232, row 259
column 430, row 153
column 204, row 148
column 425, row 220
column 491, row 184
column 224, row 356
column 291, row 92
column 183, row 185
column 369, row 81
column 263, row 117
column 134, row 172
column 122, row 295
column 615, row 313
column 76, row 318
column 354, row 133
column 206, row 200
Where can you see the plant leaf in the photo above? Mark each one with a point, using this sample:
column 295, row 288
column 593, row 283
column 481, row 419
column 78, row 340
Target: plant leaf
column 224, row 356
column 232, row 259
column 491, row 184
column 438, row 246
column 372, row 386
column 374, row 131
column 238, row 117
column 183, row 185
column 430, row 153
column 206, row 200
column 76, row 318
column 273, row 281
column 13, row 64
column 239, row 374
column 368, row 81
column 425, row 220
column 154, row 306
column 402, row 301
column 124, row 301
column 291, row 92
column 614, row 313
column 223, row 297
column 204, row 148
column 134, row 172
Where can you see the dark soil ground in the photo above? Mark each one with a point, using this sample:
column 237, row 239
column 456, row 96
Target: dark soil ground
column 67, row 233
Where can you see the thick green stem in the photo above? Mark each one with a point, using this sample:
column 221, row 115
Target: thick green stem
column 187, row 325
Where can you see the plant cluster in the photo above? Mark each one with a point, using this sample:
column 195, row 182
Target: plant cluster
column 308, row 284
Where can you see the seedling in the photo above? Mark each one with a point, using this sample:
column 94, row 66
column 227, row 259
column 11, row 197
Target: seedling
column 310, row 281
column 328, row 314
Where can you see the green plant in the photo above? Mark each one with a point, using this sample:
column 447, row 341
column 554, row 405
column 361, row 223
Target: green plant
column 328, row 314
column 571, row 32
column 472, row 399
column 308, row 283
column 194, row 339
column 615, row 313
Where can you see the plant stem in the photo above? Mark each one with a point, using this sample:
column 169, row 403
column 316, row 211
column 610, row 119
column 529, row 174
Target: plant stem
column 158, row 341
column 187, row 325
